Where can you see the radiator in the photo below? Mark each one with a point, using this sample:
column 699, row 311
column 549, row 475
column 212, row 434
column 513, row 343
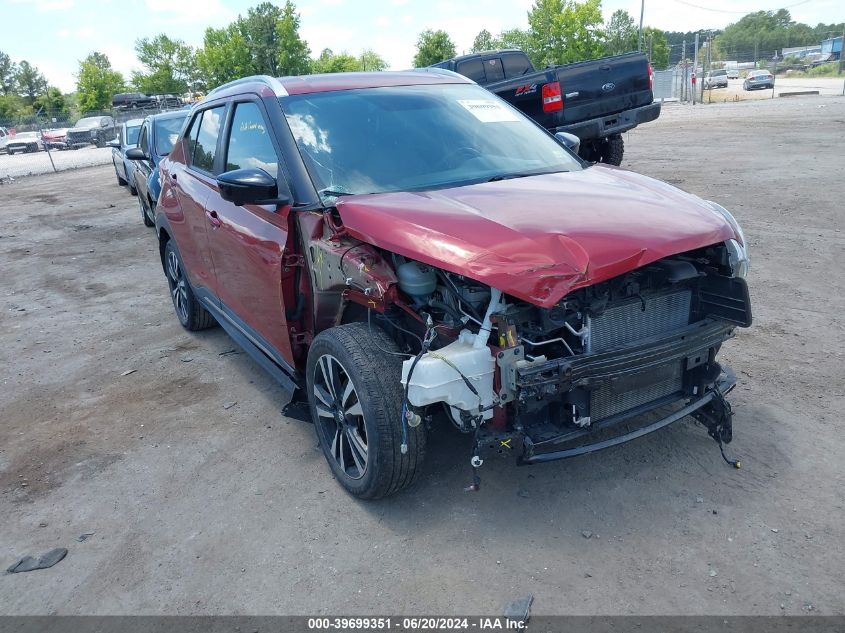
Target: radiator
column 628, row 323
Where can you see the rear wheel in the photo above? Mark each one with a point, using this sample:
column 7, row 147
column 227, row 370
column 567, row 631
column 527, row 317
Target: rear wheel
column 192, row 315
column 356, row 404
column 145, row 215
column 120, row 179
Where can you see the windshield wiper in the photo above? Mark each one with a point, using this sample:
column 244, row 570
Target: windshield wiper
column 499, row 177
column 328, row 191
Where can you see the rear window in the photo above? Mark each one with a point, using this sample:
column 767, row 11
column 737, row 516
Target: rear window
column 167, row 131
column 516, row 65
column 472, row 68
column 493, row 69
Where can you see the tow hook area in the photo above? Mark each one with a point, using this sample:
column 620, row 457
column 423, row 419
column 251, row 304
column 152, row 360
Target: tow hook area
column 489, row 443
column 717, row 416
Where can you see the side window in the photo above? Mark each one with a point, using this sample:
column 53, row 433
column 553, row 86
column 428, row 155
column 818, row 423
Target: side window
column 205, row 145
column 191, row 137
column 493, row 69
column 515, row 65
column 472, row 68
column 144, row 141
column 249, row 141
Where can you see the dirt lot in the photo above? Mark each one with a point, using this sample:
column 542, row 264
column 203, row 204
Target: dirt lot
column 199, row 508
column 826, row 86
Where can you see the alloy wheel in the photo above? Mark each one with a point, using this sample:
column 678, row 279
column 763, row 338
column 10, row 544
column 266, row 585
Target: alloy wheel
column 340, row 417
column 178, row 286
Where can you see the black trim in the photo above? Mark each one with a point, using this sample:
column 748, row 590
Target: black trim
column 726, row 382
column 253, row 343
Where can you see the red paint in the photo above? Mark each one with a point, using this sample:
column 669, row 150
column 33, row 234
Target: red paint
column 539, row 238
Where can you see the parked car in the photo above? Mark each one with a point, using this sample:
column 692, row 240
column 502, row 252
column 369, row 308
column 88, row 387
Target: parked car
column 758, row 80
column 155, row 140
column 132, row 101
column 168, row 101
column 55, row 138
column 596, row 100
column 733, row 73
column 4, row 138
column 716, row 79
column 127, row 138
column 402, row 246
column 97, row 130
column 24, row 143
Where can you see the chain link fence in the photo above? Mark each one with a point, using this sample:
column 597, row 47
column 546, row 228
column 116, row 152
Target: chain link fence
column 40, row 144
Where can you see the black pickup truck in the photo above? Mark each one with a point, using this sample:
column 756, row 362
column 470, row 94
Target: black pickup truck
column 596, row 100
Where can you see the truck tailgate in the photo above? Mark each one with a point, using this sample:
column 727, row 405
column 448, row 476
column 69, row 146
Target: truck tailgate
column 600, row 87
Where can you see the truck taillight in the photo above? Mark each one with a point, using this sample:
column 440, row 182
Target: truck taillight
column 650, row 76
column 552, row 99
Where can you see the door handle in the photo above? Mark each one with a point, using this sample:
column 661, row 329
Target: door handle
column 213, row 218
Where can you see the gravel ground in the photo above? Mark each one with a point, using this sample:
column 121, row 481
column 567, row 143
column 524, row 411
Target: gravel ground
column 39, row 163
column 196, row 508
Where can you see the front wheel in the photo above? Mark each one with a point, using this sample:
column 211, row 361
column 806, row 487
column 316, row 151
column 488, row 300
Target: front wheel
column 355, row 396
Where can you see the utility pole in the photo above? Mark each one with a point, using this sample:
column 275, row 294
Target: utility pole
column 684, row 62
column 695, row 67
column 640, row 37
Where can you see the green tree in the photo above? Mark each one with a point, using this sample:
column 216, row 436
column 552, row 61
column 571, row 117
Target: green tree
column 370, row 60
column 97, row 82
column 656, row 47
column 10, row 107
column 483, row 42
column 8, row 68
column 763, row 34
column 29, row 81
column 293, row 52
column 170, row 65
column 564, row 31
column 260, row 29
column 620, row 33
column 516, row 38
column 329, row 62
column 433, row 47
column 52, row 102
column 224, row 56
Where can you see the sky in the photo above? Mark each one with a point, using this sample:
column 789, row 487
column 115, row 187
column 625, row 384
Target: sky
column 55, row 34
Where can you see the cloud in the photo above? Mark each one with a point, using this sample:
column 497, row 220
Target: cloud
column 383, row 21
column 188, row 11
column 48, row 6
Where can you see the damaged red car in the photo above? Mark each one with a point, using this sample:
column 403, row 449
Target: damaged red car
column 403, row 250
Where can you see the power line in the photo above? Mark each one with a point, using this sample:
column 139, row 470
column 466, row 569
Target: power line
column 697, row 6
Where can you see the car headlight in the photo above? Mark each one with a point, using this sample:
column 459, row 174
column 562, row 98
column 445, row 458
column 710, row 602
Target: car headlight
column 737, row 249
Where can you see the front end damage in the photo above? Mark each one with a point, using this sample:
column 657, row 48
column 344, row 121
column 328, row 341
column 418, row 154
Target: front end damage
column 606, row 364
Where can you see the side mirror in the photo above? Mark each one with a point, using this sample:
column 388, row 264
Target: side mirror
column 115, row 143
column 571, row 141
column 250, row 186
column 136, row 153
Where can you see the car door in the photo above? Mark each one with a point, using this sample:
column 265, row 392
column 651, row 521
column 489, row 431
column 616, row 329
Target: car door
column 191, row 176
column 142, row 167
column 248, row 242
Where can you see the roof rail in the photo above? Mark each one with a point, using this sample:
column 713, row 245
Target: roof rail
column 271, row 82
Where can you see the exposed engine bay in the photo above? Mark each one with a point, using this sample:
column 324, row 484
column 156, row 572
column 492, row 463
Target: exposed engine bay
column 519, row 375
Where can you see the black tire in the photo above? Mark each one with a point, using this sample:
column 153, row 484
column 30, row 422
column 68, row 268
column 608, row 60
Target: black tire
column 377, row 393
column 191, row 314
column 145, row 214
column 132, row 190
column 120, row 179
column 614, row 150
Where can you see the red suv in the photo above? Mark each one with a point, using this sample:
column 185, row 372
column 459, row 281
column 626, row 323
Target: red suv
column 406, row 250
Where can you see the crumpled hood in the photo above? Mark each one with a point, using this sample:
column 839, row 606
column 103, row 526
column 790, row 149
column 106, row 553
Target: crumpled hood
column 539, row 238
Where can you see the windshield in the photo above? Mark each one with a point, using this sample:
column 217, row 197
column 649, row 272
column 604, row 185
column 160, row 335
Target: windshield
column 132, row 134
column 91, row 121
column 416, row 138
column 167, row 131
column 720, row 72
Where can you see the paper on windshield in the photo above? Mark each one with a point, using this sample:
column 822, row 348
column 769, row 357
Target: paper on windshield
column 488, row 111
